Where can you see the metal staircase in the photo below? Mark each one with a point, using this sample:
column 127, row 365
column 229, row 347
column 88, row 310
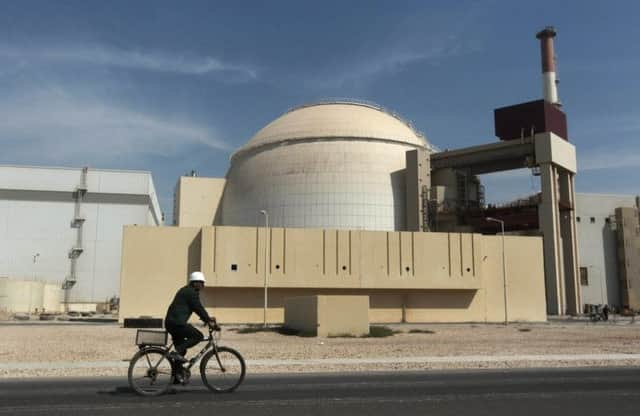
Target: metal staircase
column 77, row 222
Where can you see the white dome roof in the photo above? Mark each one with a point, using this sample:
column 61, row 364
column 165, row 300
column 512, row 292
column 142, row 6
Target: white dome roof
column 337, row 165
column 336, row 120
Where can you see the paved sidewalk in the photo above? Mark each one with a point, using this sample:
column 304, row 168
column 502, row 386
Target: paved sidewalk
column 353, row 361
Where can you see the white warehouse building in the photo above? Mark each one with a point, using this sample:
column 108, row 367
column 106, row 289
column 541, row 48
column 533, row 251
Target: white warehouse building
column 62, row 227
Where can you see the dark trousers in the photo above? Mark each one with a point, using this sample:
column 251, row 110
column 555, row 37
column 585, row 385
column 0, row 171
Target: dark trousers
column 184, row 337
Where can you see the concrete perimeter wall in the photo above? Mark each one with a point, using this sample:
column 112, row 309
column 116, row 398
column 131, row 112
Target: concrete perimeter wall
column 328, row 315
column 301, row 313
column 412, row 277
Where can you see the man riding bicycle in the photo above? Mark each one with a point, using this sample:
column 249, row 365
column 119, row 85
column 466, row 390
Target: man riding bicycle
column 186, row 302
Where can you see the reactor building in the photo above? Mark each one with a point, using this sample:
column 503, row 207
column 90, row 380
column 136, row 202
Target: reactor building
column 326, row 165
column 345, row 198
column 335, row 198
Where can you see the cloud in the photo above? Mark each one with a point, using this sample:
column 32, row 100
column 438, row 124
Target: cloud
column 508, row 175
column 51, row 126
column 599, row 159
column 390, row 60
column 507, row 186
column 424, row 36
column 624, row 153
column 130, row 59
column 370, row 69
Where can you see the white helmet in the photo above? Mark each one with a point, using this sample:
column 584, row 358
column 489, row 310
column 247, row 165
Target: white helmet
column 196, row 277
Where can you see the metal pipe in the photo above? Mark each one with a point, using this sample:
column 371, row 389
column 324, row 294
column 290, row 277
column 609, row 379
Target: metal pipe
column 504, row 269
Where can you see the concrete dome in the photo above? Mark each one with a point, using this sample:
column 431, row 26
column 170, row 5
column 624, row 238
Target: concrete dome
column 328, row 165
column 336, row 120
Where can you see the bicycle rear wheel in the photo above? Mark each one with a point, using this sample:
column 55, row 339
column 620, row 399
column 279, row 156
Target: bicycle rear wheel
column 150, row 372
column 225, row 375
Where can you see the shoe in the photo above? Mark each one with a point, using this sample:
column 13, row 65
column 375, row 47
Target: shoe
column 177, row 358
column 182, row 376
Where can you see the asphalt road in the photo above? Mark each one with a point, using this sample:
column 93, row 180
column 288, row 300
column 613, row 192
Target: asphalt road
column 512, row 392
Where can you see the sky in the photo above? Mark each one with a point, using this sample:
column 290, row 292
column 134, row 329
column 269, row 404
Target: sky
column 171, row 87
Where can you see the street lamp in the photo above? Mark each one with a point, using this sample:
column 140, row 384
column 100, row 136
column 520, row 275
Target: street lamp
column 35, row 258
column 504, row 268
column 266, row 261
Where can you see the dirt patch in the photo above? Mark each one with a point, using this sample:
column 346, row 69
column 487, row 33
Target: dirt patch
column 98, row 343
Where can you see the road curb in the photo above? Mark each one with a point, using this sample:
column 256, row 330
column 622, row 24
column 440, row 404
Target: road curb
column 354, row 361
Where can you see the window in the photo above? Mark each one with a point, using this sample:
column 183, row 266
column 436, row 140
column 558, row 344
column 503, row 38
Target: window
column 607, row 220
column 584, row 276
column 593, row 220
column 577, row 219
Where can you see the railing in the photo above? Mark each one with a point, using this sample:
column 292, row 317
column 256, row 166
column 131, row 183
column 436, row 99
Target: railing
column 370, row 104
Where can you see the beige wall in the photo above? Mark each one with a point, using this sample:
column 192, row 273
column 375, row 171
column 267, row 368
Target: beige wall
column 416, row 277
column 155, row 263
column 551, row 148
column 301, row 313
column 628, row 247
column 341, row 259
column 328, row 315
column 197, row 200
column 339, row 315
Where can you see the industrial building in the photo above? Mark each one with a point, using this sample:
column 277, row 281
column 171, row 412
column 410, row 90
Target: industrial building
column 335, row 198
column 609, row 250
column 347, row 198
column 329, row 165
column 61, row 234
column 318, row 202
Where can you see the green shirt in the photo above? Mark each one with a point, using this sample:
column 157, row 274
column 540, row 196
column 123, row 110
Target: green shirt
column 186, row 301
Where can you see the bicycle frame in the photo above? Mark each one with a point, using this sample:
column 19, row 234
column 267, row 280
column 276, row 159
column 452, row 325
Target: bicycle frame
column 149, row 378
column 211, row 344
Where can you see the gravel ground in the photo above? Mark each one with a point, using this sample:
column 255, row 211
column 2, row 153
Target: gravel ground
column 55, row 343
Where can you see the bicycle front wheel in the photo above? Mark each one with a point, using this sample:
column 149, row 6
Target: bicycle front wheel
column 224, row 373
column 150, row 372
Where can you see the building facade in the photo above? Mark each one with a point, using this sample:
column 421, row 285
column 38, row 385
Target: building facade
column 597, row 227
column 407, row 276
column 628, row 247
column 63, row 226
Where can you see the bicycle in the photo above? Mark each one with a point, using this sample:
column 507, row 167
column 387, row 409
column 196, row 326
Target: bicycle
column 152, row 371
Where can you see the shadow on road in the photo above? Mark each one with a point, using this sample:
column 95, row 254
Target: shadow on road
column 126, row 391
column 119, row 391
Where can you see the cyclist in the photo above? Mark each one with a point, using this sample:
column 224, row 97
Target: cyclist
column 186, row 302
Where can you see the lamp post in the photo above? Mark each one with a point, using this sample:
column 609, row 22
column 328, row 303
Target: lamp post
column 266, row 261
column 35, row 259
column 504, row 268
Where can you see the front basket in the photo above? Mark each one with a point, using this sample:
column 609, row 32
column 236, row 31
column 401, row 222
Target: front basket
column 148, row 337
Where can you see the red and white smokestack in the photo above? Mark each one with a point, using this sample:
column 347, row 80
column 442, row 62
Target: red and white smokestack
column 549, row 81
